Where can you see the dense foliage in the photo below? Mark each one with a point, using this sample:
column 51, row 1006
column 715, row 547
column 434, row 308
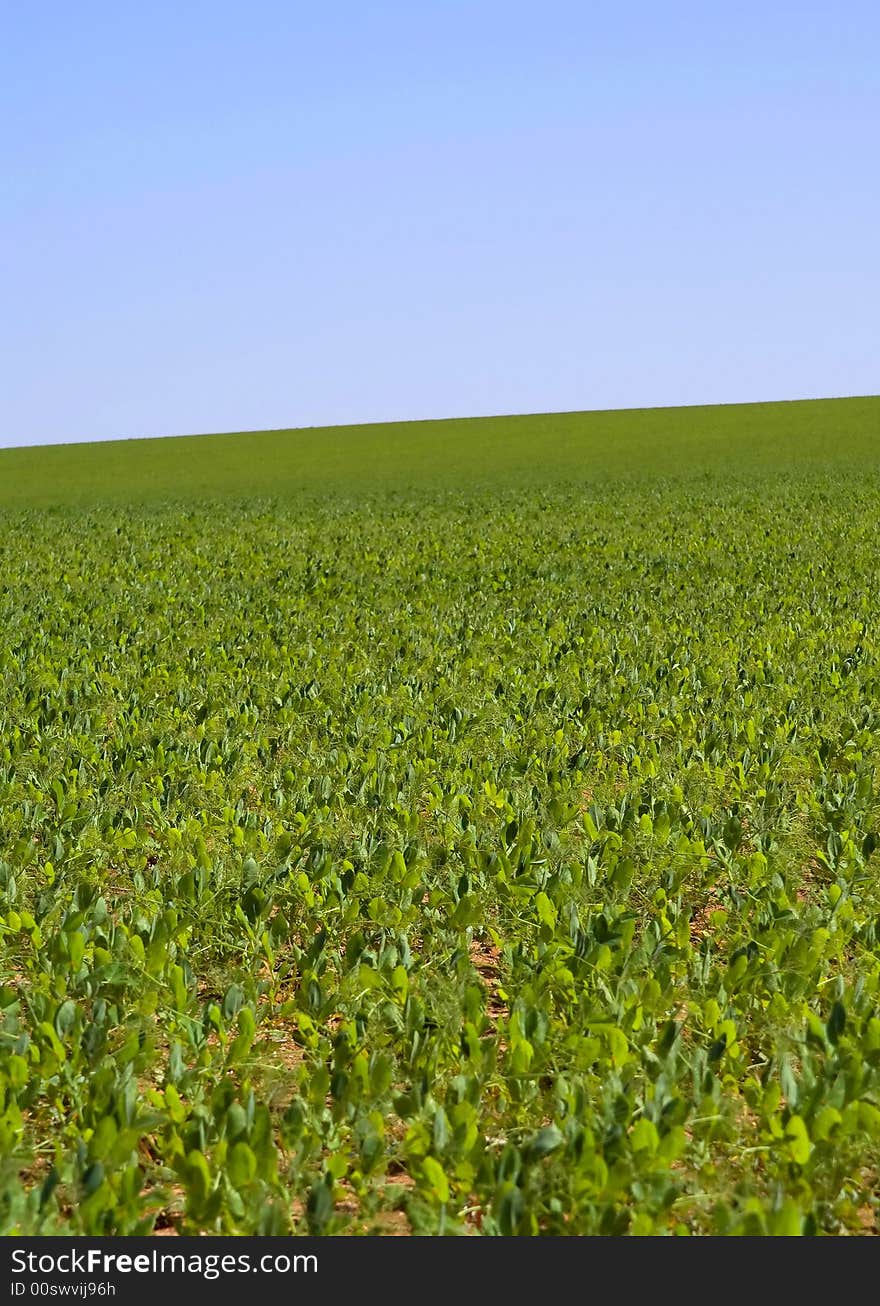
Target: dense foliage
column 487, row 862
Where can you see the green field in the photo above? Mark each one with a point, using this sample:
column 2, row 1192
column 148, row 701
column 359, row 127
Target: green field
column 558, row 450
column 455, row 827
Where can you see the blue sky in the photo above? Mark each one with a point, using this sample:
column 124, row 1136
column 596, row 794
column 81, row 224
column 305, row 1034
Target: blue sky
column 224, row 216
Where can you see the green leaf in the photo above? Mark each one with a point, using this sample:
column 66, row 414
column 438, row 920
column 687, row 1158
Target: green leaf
column 103, row 1138
column 440, row 1131
column 233, row 1001
column 644, row 1137
column 319, row 1207
column 399, row 983
column 869, row 1118
column 241, row 1165
column 788, row 1221
column 16, row 1069
column 438, row 1184
column 836, row 1022
column 546, row 911
column 798, row 1140
column 197, row 1176
column 673, row 1144
column 177, row 983
column 77, row 947
column 93, row 1178
column 65, row 1015
column 241, row 1044
column 545, row 1141
column 510, row 1208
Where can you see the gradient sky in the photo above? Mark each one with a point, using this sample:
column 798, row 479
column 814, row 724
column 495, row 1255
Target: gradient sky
column 222, row 216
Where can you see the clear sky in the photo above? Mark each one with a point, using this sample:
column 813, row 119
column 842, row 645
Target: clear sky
column 219, row 216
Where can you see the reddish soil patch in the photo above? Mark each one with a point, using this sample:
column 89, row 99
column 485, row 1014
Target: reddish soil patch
column 486, row 961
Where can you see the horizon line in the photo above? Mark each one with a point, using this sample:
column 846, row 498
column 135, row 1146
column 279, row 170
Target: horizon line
column 422, row 421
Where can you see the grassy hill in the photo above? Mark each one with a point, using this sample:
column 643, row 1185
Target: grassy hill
column 736, row 440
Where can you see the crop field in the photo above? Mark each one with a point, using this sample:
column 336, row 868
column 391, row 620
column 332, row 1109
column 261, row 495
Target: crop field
column 463, row 828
